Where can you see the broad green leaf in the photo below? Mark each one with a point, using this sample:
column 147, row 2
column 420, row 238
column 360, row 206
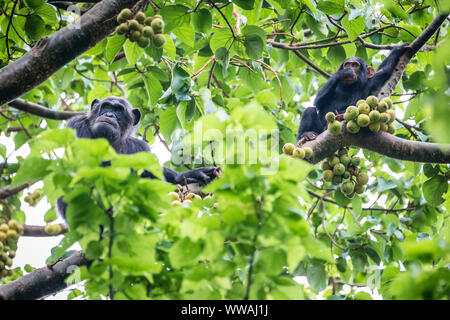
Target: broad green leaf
column 35, row 27
column 221, row 38
column 202, row 21
column 329, row 7
column 434, row 189
column 47, row 12
column 245, row 4
column 132, row 52
column 353, row 27
column 253, row 46
column 174, row 16
column 113, row 47
column 317, row 276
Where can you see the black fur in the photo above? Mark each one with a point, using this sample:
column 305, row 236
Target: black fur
column 114, row 119
column 338, row 93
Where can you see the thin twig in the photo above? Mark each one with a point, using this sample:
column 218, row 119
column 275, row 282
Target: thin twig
column 223, row 16
column 278, row 79
column 325, row 229
column 195, row 74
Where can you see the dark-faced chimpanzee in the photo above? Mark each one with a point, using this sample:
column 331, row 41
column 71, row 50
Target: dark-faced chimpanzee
column 114, row 119
column 353, row 81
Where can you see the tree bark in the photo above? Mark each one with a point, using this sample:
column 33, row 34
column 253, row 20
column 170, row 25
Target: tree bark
column 416, row 45
column 39, row 231
column 41, row 111
column 381, row 142
column 53, row 52
column 44, row 281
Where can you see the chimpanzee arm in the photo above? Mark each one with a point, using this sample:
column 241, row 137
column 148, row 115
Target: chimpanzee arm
column 81, row 125
column 386, row 68
column 310, row 125
column 327, row 92
column 202, row 176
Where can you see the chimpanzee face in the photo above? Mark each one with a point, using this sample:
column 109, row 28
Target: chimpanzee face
column 352, row 67
column 355, row 70
column 113, row 118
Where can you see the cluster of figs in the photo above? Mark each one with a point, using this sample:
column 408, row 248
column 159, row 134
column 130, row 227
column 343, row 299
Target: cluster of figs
column 144, row 30
column 371, row 113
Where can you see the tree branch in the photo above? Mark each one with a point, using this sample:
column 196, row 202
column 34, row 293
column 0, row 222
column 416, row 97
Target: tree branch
column 381, row 142
column 42, row 282
column 7, row 192
column 41, row 111
column 54, row 51
column 312, row 65
column 39, row 231
column 416, row 45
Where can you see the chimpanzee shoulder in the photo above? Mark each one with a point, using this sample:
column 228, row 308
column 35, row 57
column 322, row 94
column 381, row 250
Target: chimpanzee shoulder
column 134, row 145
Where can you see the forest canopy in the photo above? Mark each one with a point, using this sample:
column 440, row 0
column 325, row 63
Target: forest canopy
column 225, row 84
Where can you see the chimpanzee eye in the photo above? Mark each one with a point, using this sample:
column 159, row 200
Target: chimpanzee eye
column 118, row 108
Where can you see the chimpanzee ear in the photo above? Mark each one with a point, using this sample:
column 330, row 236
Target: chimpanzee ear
column 370, row 72
column 94, row 103
column 137, row 116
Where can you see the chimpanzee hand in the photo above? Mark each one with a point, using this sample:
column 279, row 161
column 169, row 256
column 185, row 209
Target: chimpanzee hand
column 307, row 136
column 202, row 176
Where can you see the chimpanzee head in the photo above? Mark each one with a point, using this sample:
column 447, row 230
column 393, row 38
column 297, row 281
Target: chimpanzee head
column 356, row 71
column 113, row 118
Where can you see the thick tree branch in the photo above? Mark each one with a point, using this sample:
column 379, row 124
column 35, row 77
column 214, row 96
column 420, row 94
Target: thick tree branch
column 54, row 51
column 39, row 231
column 381, row 142
column 7, row 192
column 416, row 45
column 41, row 111
column 44, row 281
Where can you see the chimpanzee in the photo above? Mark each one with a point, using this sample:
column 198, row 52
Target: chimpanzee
column 353, row 81
column 114, row 119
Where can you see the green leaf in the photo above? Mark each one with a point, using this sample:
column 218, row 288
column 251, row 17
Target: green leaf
column 245, row 4
column 359, row 260
column 180, row 78
column 223, row 57
column 3, row 151
column 47, row 12
column 254, row 30
column 329, row 7
column 113, row 46
column 317, row 276
column 202, row 21
column 434, row 189
column 185, row 34
column 363, row 296
column 271, row 261
column 174, row 16
column 31, row 170
column 353, row 27
column 184, row 252
column 34, row 3
column 169, row 46
column 153, row 88
column 254, row 46
column 221, row 38
column 310, row 5
column 35, row 27
column 132, row 52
